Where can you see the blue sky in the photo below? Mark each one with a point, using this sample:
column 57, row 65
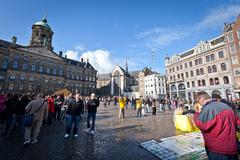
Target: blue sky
column 110, row 31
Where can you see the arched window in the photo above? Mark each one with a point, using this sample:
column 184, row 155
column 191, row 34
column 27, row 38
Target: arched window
column 216, row 81
column 173, row 88
column 188, row 85
column 193, row 84
column 225, row 80
column 181, row 86
column 203, row 83
column 197, row 72
column 199, row 83
column 25, row 63
column 211, row 81
column 214, row 68
column 182, row 76
column 186, row 74
column 191, row 73
column 223, row 66
column 15, row 61
column 201, row 71
column 60, row 70
column 54, row 69
column 209, row 69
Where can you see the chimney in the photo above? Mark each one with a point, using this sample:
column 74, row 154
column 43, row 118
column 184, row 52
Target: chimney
column 60, row 53
column 82, row 60
column 87, row 60
column 14, row 40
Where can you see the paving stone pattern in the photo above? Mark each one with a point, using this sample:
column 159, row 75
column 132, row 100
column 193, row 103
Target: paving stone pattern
column 115, row 139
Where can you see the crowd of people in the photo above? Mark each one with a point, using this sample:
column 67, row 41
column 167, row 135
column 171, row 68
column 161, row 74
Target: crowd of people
column 46, row 110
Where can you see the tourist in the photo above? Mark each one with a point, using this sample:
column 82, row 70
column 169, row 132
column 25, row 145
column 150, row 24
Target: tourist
column 73, row 115
column 139, row 107
column 58, row 102
column 122, row 102
column 38, row 107
column 92, row 105
column 154, row 106
column 51, row 109
column 8, row 112
column 218, row 124
column 18, row 113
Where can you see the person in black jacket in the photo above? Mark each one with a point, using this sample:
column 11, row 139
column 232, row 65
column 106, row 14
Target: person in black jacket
column 92, row 105
column 73, row 115
column 18, row 113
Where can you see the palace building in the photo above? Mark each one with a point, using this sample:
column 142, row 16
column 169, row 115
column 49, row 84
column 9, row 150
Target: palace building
column 37, row 68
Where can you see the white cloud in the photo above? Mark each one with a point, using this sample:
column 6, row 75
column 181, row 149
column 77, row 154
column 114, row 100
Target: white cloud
column 100, row 60
column 158, row 37
column 72, row 54
column 217, row 16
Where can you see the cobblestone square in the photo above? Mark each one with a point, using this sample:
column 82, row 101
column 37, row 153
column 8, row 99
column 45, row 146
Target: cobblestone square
column 115, row 139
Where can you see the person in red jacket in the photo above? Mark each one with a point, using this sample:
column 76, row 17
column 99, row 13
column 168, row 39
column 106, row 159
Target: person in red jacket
column 218, row 124
column 51, row 109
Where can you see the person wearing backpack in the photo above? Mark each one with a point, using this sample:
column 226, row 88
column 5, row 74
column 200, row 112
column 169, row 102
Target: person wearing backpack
column 38, row 107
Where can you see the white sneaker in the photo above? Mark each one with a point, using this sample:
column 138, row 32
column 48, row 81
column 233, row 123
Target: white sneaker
column 87, row 130
column 34, row 141
column 92, row 132
column 75, row 135
column 26, row 143
column 66, row 135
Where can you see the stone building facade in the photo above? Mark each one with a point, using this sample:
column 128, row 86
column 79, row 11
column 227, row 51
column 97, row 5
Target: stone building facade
column 232, row 34
column 155, row 86
column 36, row 68
column 205, row 67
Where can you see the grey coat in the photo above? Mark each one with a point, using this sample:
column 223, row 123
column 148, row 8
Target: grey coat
column 34, row 105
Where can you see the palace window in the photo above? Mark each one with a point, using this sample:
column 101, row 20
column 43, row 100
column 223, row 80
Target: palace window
column 193, row 84
column 209, row 69
column 221, row 54
column 11, row 86
column 5, row 62
column 234, row 59
column 201, row 71
column 188, row 85
column 186, row 65
column 15, row 61
column 199, row 83
column 25, row 63
column 212, row 57
column 60, row 71
column 186, row 74
column 216, row 81
column 211, row 82
column 192, row 74
column 214, row 68
column 203, row 83
column 225, row 80
column 197, row 72
column 22, row 78
column 223, row 66
column 207, row 58
column 190, row 64
column 237, row 71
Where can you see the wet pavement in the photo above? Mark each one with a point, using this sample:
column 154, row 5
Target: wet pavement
column 115, row 139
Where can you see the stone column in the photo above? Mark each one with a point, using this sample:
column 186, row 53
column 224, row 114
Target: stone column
column 112, row 85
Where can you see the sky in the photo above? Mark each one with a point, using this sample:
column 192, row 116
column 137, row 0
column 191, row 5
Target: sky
column 109, row 32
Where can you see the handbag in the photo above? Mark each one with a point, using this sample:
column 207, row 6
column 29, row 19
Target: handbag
column 28, row 120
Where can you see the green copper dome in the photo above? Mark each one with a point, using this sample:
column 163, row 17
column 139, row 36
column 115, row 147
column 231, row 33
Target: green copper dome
column 43, row 23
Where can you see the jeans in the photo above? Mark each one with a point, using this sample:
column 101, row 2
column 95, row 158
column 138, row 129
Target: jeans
column 218, row 156
column 72, row 120
column 139, row 112
column 16, row 119
column 91, row 115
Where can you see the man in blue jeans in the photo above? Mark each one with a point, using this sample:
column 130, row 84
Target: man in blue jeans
column 92, row 105
column 73, row 115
